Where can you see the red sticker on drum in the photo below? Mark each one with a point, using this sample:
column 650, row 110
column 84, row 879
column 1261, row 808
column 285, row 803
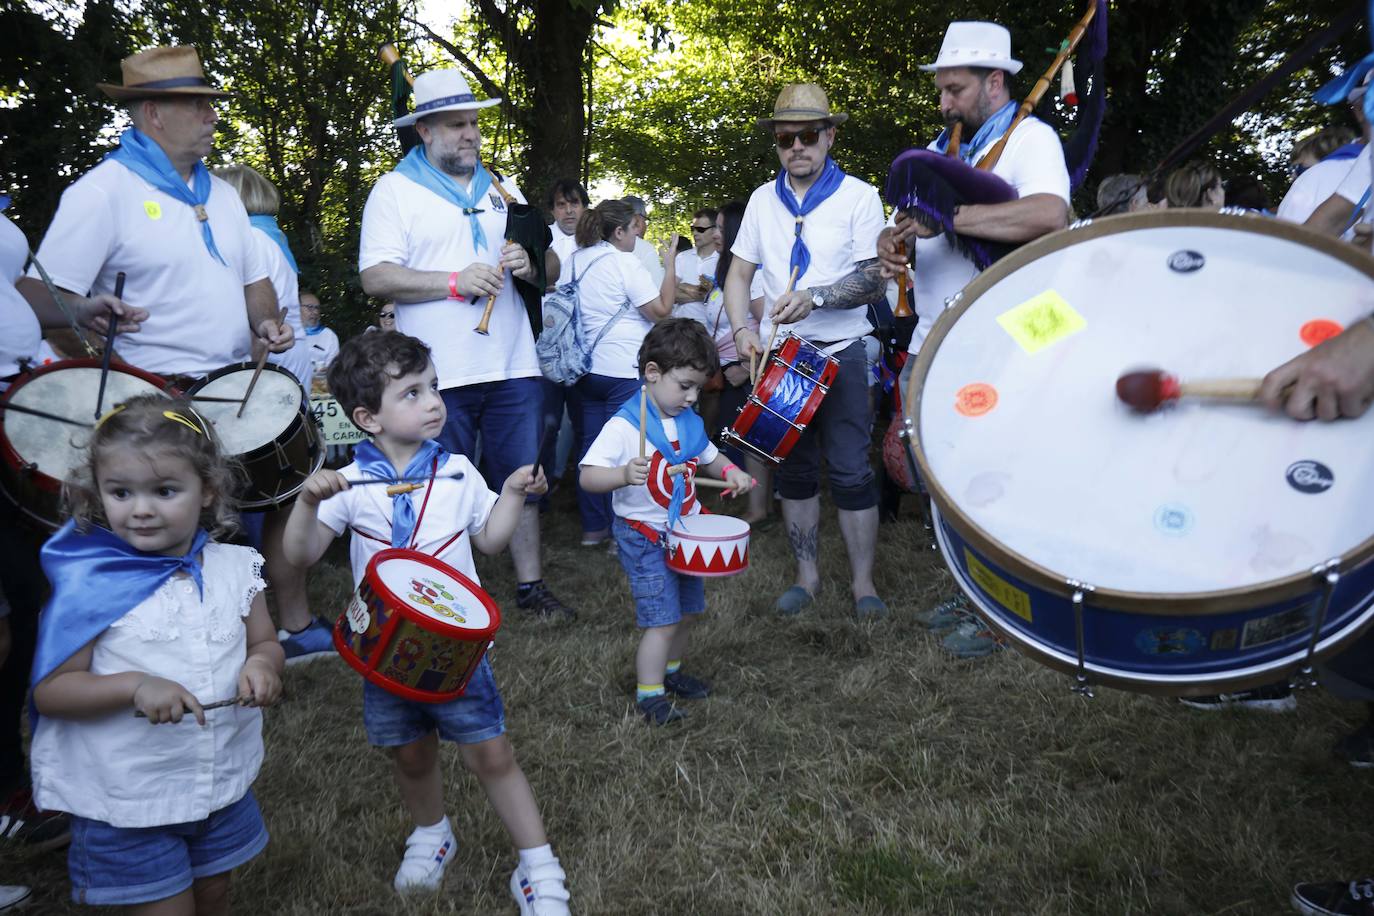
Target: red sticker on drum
column 976, row 399
column 1318, row 331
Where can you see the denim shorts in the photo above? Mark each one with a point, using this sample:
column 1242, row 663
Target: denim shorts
column 478, row 715
column 113, row 866
column 661, row 595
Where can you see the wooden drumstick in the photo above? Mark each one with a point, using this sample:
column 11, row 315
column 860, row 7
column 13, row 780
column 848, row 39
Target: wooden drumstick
column 218, row 704
column 1149, row 389
column 643, row 415
column 109, row 346
column 396, row 489
column 491, row 300
column 257, row 371
column 409, row 483
column 791, row 282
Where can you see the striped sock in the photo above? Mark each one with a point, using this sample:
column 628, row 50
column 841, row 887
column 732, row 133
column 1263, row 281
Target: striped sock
column 644, row 691
column 674, row 666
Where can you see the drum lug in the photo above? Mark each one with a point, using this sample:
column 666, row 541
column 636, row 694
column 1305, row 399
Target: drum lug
column 28, row 469
column 1329, row 575
column 1080, row 678
column 1080, row 224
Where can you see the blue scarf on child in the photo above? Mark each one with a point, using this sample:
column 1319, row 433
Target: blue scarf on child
column 371, row 461
column 146, row 159
column 417, row 167
column 96, row 579
column 268, row 226
column 820, row 191
column 691, row 437
column 993, row 127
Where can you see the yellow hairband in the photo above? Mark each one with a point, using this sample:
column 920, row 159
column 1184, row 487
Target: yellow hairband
column 172, row 415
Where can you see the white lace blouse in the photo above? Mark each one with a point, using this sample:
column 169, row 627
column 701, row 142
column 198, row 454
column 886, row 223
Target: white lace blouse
column 124, row 771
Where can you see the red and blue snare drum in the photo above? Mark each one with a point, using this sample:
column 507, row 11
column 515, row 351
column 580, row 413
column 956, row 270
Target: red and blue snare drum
column 1200, row 549
column 416, row 627
column 795, row 381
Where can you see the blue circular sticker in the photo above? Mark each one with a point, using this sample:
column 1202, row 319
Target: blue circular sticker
column 1186, row 261
column 1174, row 520
column 1310, row 477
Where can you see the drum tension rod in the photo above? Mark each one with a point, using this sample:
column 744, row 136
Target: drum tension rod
column 1080, row 678
column 1329, row 574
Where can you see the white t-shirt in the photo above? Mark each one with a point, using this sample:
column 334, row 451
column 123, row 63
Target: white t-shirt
column 284, row 283
column 563, row 246
column 691, row 267
column 119, row 769
column 649, row 258
column 1032, row 163
column 406, row 224
column 20, row 332
column 456, row 505
column 110, row 220
column 607, row 279
column 839, row 233
column 718, row 322
column 1356, row 183
column 322, row 347
column 1312, row 188
column 616, row 444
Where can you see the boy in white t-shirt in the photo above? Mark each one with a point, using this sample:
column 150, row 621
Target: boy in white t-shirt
column 387, row 385
column 675, row 360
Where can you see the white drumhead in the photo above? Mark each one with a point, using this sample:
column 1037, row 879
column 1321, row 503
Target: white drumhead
column 433, row 593
column 57, row 448
column 275, row 403
column 1035, row 450
column 703, row 527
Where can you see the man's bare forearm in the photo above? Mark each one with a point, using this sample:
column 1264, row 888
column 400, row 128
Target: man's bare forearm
column 861, row 287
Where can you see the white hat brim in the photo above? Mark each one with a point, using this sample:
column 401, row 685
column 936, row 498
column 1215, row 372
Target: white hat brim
column 411, row 118
column 993, row 63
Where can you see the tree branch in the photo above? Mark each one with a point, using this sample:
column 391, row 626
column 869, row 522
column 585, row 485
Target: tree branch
column 468, row 63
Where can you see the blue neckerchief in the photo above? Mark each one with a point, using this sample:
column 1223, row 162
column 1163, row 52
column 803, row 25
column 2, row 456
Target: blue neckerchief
column 827, row 184
column 691, row 437
column 371, row 461
column 96, row 579
column 992, row 128
column 146, row 159
column 268, row 226
column 1349, row 151
column 311, row 332
column 417, row 167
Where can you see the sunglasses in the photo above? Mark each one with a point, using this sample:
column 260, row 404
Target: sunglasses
column 388, row 314
column 808, row 137
column 702, row 228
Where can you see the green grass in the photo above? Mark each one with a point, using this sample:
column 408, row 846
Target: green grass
column 840, row 767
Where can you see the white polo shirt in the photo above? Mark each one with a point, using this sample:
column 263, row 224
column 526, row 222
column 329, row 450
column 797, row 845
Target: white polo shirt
column 691, row 267
column 322, row 348
column 1032, row 163
column 20, row 332
column 839, row 233
column 406, row 224
column 1313, row 187
column 616, row 444
column 607, row 279
column 110, row 220
column 649, row 258
column 563, row 246
column 455, row 505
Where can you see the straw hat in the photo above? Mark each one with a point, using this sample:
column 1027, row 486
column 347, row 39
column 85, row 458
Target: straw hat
column 162, row 72
column 976, row 44
column 802, row 102
column 442, row 90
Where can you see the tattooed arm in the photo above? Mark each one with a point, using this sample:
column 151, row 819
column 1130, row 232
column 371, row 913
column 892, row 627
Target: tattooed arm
column 859, row 288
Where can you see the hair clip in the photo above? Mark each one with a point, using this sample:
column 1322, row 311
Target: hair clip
column 107, row 414
column 183, row 420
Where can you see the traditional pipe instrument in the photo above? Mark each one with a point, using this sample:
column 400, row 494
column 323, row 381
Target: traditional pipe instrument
column 903, row 307
column 929, row 186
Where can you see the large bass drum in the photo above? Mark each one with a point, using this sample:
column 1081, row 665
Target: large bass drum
column 1200, row 549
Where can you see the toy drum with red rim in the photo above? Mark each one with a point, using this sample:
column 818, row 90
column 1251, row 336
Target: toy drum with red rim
column 36, row 453
column 795, row 381
column 416, row 627
column 709, row 545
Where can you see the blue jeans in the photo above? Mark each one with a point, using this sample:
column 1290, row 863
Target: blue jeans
column 506, row 413
column 661, row 595
column 596, row 398
column 478, row 715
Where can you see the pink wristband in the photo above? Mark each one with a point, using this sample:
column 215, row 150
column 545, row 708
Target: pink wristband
column 728, row 468
column 453, row 288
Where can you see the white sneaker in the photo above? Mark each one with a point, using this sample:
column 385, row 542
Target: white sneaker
column 422, row 867
column 540, row 891
column 13, row 896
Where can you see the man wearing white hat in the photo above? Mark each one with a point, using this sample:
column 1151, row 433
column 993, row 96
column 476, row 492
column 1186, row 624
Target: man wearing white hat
column 972, row 73
column 812, row 232
column 433, row 240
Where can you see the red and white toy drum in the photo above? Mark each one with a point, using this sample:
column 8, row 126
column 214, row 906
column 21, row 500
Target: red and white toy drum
column 709, row 545
column 416, row 626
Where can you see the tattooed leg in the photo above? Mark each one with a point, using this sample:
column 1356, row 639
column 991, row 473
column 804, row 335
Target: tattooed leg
column 803, row 520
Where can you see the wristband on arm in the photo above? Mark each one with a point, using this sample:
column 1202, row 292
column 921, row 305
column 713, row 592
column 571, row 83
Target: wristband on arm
column 453, row 288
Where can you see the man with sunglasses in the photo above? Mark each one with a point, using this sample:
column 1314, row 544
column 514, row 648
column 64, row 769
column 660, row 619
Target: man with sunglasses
column 696, row 263
column 812, row 231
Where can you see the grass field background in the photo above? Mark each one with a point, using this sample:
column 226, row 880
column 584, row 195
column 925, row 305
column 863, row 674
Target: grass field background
column 840, row 767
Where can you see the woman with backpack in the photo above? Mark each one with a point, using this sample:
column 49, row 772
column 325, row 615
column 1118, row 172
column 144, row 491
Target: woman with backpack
column 618, row 303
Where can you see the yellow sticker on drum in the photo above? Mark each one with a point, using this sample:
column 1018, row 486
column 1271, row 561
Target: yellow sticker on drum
column 1039, row 322
column 999, row 589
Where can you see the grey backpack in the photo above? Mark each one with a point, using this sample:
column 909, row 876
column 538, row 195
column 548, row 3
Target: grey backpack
column 562, row 349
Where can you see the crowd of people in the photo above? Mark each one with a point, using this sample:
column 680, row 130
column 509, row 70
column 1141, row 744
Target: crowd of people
column 668, row 345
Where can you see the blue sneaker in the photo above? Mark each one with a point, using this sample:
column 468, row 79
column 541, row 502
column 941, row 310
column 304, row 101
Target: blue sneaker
column 315, row 641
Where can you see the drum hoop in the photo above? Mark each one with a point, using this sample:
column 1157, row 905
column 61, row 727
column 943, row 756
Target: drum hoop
column 710, row 538
column 248, row 367
column 424, row 621
column 1219, row 601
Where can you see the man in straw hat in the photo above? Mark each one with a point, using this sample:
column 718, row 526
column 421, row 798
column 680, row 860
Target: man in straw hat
column 433, row 240
column 151, row 211
column 813, row 229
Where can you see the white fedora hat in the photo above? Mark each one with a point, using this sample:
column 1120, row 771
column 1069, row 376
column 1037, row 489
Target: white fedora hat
column 442, row 90
column 976, row 44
